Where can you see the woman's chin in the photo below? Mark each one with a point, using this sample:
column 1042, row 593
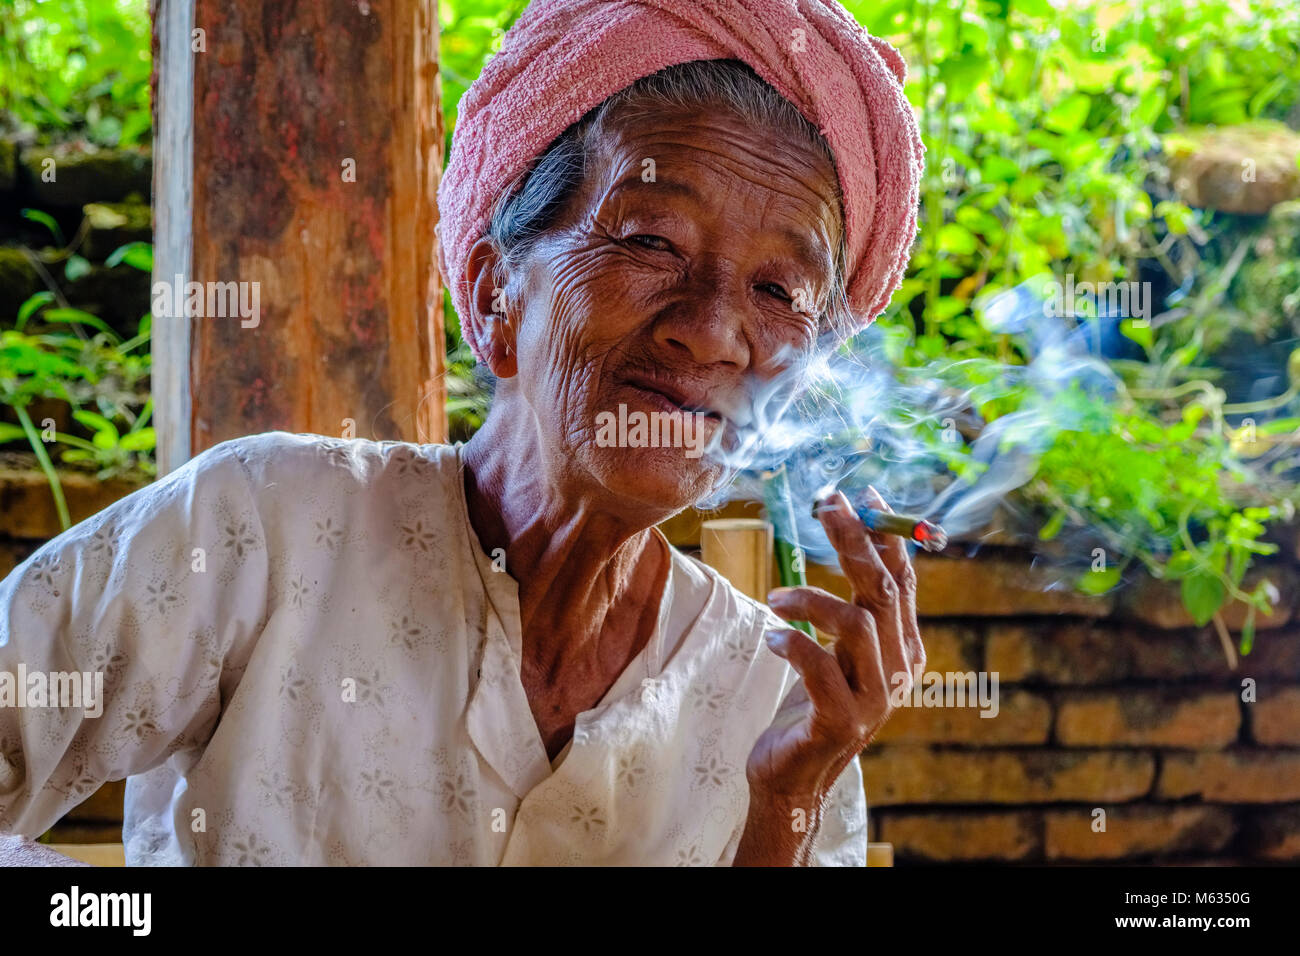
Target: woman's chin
column 667, row 479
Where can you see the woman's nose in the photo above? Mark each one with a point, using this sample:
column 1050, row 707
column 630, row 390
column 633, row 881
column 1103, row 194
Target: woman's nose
column 708, row 323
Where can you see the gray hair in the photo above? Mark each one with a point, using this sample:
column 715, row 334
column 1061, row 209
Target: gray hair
column 529, row 206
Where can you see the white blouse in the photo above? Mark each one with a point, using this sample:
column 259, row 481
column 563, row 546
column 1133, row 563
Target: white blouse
column 309, row 659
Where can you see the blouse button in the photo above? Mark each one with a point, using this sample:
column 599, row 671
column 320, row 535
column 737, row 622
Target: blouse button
column 648, row 691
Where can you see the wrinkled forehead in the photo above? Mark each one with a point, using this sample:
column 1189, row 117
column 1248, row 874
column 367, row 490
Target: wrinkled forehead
column 697, row 162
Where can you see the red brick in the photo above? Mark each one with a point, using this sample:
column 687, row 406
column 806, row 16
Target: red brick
column 1232, row 776
column 979, row 587
column 1136, row 831
column 1276, row 654
column 951, row 647
column 1086, row 652
column 916, row 775
column 1274, row 834
column 1022, row 718
column 1275, row 716
column 1167, row 718
column 1160, row 603
column 961, row 837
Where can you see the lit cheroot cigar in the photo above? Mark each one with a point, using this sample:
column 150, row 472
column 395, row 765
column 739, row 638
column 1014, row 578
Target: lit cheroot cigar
column 925, row 533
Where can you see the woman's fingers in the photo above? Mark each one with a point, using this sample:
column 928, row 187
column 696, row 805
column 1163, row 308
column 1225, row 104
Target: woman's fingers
column 894, row 554
column 822, row 677
column 828, row 613
column 874, row 588
column 891, row 548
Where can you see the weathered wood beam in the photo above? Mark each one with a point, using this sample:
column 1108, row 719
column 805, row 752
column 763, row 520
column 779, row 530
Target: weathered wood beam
column 314, row 149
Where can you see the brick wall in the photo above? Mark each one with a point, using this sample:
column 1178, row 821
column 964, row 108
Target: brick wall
column 1147, row 725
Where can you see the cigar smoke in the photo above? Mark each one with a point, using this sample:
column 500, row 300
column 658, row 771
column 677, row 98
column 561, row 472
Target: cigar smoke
column 853, row 417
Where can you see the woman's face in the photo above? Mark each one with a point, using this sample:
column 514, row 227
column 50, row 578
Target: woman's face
column 690, row 267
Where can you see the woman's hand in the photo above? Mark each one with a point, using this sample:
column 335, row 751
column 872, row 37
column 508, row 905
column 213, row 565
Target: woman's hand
column 792, row 769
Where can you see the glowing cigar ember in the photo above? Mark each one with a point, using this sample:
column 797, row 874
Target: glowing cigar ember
column 928, row 535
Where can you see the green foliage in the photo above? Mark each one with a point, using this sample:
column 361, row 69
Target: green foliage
column 55, row 352
column 77, row 68
column 1042, row 123
column 1165, row 494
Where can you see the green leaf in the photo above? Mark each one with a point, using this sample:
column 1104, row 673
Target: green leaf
column 48, row 221
column 1068, row 115
column 957, row 240
column 1139, row 332
column 10, row 432
column 142, row 440
column 1248, row 632
column 138, row 255
column 1280, row 426
column 999, row 169
column 30, row 305
column 96, row 423
column 1053, row 526
column 75, row 268
column 80, row 317
column 1098, row 582
column 1203, row 595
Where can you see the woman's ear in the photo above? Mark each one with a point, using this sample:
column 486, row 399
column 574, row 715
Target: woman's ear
column 490, row 328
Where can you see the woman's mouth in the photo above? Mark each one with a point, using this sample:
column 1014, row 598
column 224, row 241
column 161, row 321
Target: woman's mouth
column 671, row 398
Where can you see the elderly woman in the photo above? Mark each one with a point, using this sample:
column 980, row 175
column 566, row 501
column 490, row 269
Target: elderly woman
column 318, row 651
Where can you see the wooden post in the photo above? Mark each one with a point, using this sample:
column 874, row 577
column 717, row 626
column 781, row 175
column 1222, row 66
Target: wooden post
column 740, row 549
column 299, row 149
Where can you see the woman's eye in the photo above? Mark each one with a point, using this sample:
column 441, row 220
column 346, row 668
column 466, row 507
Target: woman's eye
column 771, row 288
column 658, row 243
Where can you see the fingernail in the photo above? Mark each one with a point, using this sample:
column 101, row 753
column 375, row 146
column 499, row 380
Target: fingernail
column 775, row 639
column 777, row 595
column 824, row 504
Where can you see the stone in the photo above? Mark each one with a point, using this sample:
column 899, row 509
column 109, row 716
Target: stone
column 1072, row 652
column 1248, row 168
column 1274, row 834
column 8, row 166
column 951, row 646
column 1160, row 603
column 19, row 281
column 85, row 174
column 1266, row 289
column 119, row 296
column 115, row 224
column 27, row 504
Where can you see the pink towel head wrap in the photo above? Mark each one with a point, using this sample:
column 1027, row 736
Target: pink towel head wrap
column 563, row 57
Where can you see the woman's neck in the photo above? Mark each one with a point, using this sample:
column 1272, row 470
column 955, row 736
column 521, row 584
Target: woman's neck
column 588, row 568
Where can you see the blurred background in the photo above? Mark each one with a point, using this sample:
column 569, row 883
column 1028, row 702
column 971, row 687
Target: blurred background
column 1133, row 586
